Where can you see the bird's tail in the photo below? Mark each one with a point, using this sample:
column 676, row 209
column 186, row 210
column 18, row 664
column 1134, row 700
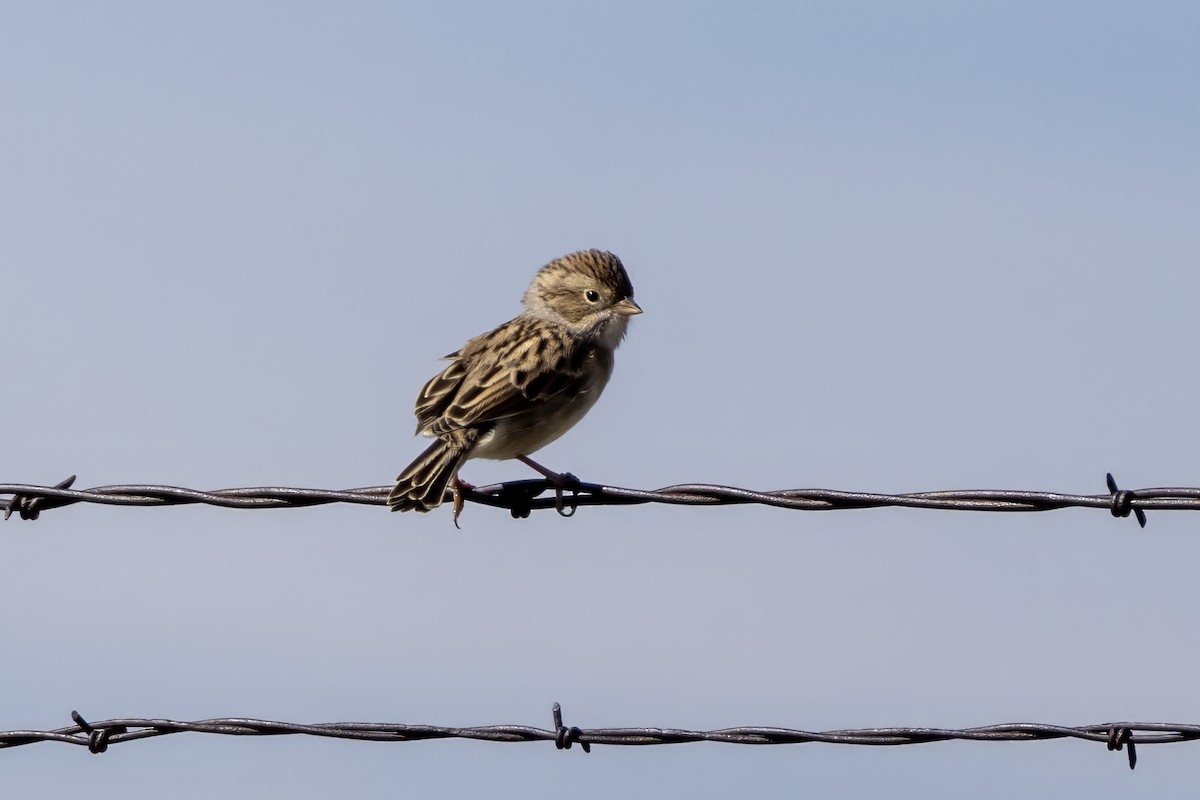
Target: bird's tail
column 422, row 484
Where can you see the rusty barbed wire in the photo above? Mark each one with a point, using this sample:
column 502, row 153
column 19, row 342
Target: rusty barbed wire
column 522, row 497
column 97, row 737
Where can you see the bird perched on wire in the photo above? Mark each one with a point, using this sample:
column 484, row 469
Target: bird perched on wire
column 512, row 391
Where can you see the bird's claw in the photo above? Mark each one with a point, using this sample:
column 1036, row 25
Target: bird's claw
column 458, row 487
column 564, row 480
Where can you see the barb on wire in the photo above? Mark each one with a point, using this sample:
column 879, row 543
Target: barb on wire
column 522, row 497
column 97, row 737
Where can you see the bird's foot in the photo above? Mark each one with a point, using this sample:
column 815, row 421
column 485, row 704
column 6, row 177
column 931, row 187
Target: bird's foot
column 458, row 486
column 559, row 480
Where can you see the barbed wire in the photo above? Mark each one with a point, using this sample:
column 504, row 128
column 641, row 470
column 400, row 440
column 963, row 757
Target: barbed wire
column 522, row 497
column 97, row 737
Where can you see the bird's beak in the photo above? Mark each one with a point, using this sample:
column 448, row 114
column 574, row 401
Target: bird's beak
column 627, row 308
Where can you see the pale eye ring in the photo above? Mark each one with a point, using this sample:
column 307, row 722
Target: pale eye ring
column 592, row 296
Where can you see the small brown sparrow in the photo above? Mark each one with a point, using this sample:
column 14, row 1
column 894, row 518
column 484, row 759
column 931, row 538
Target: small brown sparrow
column 512, row 391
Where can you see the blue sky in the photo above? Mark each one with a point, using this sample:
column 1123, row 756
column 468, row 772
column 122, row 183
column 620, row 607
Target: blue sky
column 880, row 247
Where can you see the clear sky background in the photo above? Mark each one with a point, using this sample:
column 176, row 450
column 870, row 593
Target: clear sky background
column 880, row 246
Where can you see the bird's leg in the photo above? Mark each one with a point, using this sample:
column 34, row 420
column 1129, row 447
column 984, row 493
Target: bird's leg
column 458, row 487
column 559, row 480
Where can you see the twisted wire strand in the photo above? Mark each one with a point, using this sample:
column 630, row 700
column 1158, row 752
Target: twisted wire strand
column 98, row 736
column 522, row 497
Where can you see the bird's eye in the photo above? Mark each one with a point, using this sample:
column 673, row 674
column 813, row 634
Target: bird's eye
column 592, row 296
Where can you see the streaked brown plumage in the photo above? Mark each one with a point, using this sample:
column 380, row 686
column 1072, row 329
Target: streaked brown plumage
column 512, row 391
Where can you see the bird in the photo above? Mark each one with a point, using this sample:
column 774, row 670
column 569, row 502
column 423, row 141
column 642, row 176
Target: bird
column 515, row 389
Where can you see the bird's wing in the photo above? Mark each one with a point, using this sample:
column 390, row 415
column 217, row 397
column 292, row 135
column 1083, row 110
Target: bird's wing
column 500, row 374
